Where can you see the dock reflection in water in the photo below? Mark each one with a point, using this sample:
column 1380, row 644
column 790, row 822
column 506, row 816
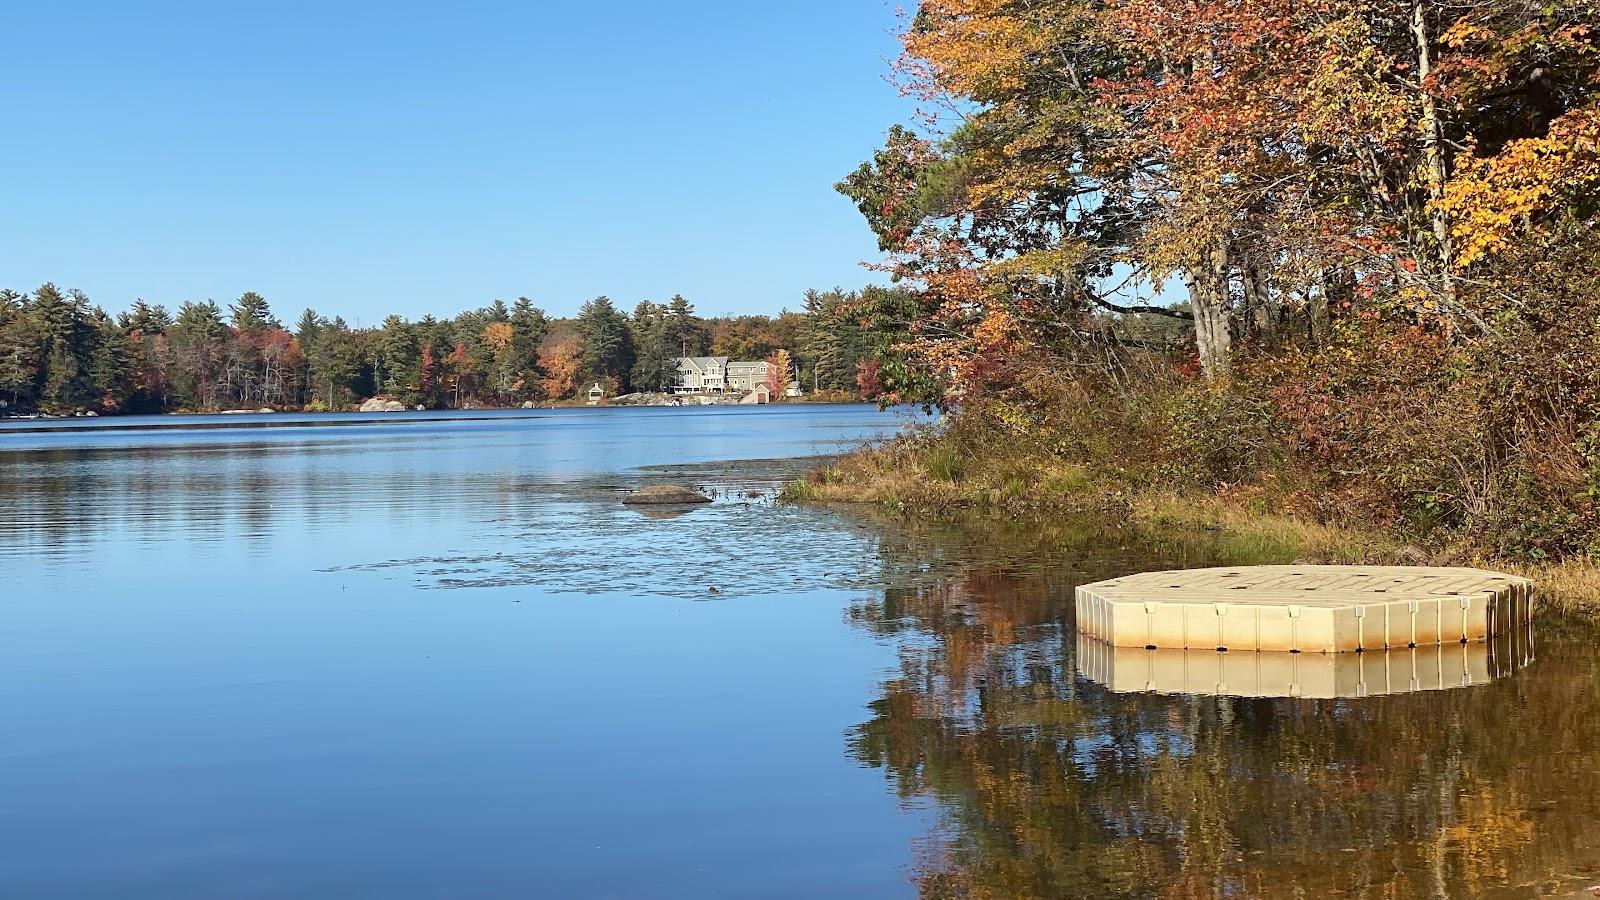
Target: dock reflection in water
column 1307, row 675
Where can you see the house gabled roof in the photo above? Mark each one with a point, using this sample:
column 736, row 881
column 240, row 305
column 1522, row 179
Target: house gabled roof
column 701, row 363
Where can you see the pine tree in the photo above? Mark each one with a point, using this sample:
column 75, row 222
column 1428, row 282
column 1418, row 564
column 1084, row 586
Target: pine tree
column 110, row 367
column 685, row 332
column 67, row 341
column 251, row 313
column 434, row 349
column 654, row 355
column 20, row 343
column 529, row 325
column 399, row 359
column 198, row 340
column 607, row 348
column 145, row 319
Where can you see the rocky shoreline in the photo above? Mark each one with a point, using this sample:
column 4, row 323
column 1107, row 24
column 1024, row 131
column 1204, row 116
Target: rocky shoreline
column 652, row 398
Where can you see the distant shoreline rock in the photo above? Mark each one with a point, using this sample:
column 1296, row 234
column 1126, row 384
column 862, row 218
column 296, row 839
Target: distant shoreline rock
column 379, row 404
column 655, row 398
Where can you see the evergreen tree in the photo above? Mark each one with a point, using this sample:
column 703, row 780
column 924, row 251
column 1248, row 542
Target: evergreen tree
column 607, row 347
column 685, row 332
column 309, row 328
column 653, row 366
column 197, row 339
column 333, row 362
column 145, row 319
column 434, row 346
column 251, row 313
column 110, row 366
column 67, row 338
column 530, row 326
column 21, row 343
column 144, row 333
column 398, row 359
column 832, row 342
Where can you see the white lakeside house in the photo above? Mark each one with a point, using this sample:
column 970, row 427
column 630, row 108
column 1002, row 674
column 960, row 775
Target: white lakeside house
column 700, row 375
column 717, row 375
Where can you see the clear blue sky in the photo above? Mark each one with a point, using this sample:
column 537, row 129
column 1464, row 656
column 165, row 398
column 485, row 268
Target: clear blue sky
column 367, row 158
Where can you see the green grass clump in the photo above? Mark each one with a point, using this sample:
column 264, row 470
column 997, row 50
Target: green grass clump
column 946, row 464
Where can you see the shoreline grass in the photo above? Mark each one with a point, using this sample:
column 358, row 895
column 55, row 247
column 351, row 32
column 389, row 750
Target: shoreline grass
column 921, row 477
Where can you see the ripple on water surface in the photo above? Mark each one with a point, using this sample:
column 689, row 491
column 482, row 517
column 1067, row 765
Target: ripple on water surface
column 443, row 658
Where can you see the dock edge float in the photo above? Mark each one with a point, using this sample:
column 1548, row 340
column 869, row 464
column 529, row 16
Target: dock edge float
column 1313, row 609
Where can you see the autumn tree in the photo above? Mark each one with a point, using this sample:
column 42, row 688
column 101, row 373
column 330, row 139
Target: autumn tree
column 499, row 338
column 746, row 337
column 144, row 329
column 562, row 353
column 782, row 363
column 1274, row 160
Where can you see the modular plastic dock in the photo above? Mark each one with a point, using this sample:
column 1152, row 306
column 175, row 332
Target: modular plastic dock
column 1320, row 609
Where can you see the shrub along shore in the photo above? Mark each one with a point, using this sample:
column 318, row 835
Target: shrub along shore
column 973, row 467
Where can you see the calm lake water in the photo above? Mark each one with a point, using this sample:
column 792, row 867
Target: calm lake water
column 433, row 656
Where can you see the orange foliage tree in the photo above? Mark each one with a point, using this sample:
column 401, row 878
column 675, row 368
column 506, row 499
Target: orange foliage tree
column 1277, row 158
column 561, row 356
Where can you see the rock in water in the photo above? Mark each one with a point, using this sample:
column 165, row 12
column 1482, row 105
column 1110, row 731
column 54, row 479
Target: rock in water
column 665, row 494
column 378, row 404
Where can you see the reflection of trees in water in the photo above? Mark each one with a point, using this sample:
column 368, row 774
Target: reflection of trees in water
column 1048, row 785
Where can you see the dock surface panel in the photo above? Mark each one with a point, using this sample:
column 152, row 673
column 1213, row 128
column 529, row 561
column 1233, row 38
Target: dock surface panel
column 1323, row 609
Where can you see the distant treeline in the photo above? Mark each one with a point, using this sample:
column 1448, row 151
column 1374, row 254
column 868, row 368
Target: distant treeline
column 60, row 353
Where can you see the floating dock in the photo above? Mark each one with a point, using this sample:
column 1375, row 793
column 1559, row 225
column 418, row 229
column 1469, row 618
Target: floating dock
column 1314, row 609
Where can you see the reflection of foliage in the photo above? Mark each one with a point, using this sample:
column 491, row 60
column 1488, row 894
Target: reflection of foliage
column 1048, row 785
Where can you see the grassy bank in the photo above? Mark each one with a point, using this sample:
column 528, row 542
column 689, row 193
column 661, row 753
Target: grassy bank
column 937, row 474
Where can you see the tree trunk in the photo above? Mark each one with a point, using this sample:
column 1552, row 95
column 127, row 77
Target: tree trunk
column 1209, row 301
column 1260, row 317
column 1432, row 147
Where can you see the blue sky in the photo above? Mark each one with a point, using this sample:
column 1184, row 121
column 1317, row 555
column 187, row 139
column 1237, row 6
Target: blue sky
column 366, row 158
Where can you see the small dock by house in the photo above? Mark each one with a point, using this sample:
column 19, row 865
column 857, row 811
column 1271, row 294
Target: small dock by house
column 1318, row 609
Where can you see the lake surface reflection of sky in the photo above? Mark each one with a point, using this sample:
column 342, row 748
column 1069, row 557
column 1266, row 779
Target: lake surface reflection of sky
column 439, row 658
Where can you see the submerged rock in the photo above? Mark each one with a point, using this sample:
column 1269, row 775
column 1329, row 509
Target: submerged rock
column 662, row 511
column 666, row 494
column 379, row 404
